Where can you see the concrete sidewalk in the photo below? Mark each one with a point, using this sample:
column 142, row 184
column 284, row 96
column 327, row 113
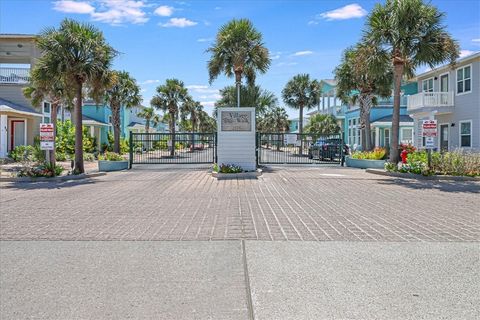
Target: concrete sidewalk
column 221, row 280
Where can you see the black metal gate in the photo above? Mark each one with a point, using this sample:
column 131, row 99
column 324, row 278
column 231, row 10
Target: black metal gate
column 168, row 148
column 295, row 148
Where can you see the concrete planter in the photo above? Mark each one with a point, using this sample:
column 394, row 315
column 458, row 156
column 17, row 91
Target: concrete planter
column 105, row 165
column 364, row 164
column 242, row 175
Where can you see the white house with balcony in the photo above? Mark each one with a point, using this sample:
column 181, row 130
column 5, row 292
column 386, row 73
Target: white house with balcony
column 19, row 120
column 451, row 95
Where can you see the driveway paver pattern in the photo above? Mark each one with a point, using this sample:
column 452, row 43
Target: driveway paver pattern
column 285, row 203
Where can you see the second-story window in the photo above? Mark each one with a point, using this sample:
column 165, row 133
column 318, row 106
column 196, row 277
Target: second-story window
column 427, row 85
column 46, row 112
column 464, row 79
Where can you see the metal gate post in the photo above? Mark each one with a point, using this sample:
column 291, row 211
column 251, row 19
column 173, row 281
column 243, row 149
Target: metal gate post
column 130, row 142
column 215, row 156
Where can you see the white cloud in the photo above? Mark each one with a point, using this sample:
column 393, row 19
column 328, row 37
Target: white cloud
column 302, row 53
column 286, row 64
column 73, row 6
column 476, row 40
column 149, row 82
column 218, row 8
column 208, row 103
column 349, row 11
column 115, row 12
column 209, row 96
column 179, row 23
column 164, row 11
column 143, row 90
column 205, row 39
column 199, row 88
column 464, row 53
column 312, row 22
column 275, row 57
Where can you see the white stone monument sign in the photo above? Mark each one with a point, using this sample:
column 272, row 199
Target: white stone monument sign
column 236, row 136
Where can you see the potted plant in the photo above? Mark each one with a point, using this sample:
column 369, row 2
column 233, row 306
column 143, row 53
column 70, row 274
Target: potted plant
column 367, row 159
column 111, row 161
column 230, row 171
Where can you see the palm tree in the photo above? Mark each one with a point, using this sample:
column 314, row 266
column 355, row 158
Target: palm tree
column 78, row 54
column 45, row 86
column 413, row 34
column 191, row 108
column 301, row 93
column 364, row 73
column 238, row 50
column 206, row 122
column 121, row 91
column 252, row 96
column 322, row 124
column 147, row 113
column 275, row 119
column 168, row 98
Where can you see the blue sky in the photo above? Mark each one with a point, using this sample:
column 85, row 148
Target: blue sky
column 165, row 39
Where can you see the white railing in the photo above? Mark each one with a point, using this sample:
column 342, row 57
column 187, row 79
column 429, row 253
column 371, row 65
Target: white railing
column 14, row 75
column 430, row 99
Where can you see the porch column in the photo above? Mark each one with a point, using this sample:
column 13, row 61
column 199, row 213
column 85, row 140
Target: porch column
column 92, row 131
column 3, row 136
column 377, row 136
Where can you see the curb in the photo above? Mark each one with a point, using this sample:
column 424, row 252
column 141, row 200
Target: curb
column 419, row 176
column 55, row 179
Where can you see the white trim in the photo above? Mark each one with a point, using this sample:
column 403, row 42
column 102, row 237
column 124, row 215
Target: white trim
column 460, row 133
column 447, row 66
column 4, row 108
column 471, row 80
column 440, row 135
column 389, row 123
column 401, row 134
column 12, row 129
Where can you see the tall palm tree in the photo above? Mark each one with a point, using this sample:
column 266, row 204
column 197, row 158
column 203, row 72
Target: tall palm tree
column 169, row 97
column 78, row 54
column 206, row 123
column 252, row 96
column 121, row 91
column 45, row 86
column 191, row 108
column 238, row 50
column 363, row 74
column 413, row 34
column 301, row 93
column 275, row 119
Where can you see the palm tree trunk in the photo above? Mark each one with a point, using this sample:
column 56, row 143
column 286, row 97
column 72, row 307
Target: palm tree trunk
column 147, row 126
column 116, row 126
column 362, row 121
column 54, row 121
column 397, row 78
column 365, row 108
column 172, row 131
column 300, row 130
column 79, row 168
column 238, row 83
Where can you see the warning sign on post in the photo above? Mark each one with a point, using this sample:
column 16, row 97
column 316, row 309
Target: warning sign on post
column 47, row 136
column 429, row 128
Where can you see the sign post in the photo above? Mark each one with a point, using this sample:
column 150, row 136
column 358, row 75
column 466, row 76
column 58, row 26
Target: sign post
column 429, row 132
column 47, row 138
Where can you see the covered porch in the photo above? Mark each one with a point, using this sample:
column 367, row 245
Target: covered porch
column 18, row 126
column 382, row 131
column 97, row 129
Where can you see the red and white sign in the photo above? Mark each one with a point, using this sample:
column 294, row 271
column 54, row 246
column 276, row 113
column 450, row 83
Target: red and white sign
column 429, row 128
column 47, row 136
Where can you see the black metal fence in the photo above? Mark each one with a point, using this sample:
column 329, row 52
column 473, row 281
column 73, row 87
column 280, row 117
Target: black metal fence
column 295, row 148
column 168, row 148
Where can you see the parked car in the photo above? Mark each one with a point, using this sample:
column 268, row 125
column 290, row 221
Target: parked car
column 327, row 148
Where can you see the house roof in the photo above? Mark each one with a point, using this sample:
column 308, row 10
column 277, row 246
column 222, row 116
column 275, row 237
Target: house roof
column 134, row 123
column 8, row 106
column 91, row 121
column 473, row 56
column 403, row 118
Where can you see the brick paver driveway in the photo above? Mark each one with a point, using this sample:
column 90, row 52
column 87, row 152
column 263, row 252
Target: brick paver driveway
column 284, row 204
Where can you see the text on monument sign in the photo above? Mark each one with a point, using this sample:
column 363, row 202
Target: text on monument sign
column 47, row 137
column 236, row 120
column 429, row 128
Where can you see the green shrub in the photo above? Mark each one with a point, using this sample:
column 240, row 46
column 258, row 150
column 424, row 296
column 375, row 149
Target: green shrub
column 227, row 168
column 88, row 156
column 65, row 139
column 124, row 147
column 376, row 154
column 42, row 170
column 110, row 156
column 22, row 153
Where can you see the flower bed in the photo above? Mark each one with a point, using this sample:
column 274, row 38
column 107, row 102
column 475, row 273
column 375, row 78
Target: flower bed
column 111, row 161
column 456, row 163
column 228, row 171
column 367, row 159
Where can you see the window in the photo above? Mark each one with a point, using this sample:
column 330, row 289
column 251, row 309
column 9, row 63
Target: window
column 46, row 107
column 464, row 80
column 354, row 131
column 427, row 85
column 407, row 135
column 444, row 83
column 466, row 133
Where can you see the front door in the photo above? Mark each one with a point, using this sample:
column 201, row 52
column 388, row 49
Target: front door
column 17, row 134
column 444, row 83
column 444, row 137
